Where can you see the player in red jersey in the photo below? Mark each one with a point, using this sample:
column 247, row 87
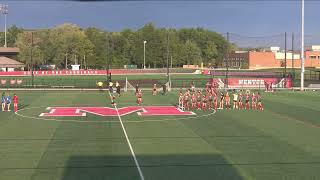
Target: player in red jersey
column 139, row 97
column 240, row 99
column 253, row 101
column 207, row 87
column 227, row 97
column 259, row 99
column 180, row 99
column 204, row 101
column 215, row 101
column 199, row 99
column 194, row 101
column 186, row 100
column 15, row 102
column 154, row 89
column 247, row 102
column 210, row 101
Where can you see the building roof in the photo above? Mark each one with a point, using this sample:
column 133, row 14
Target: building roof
column 9, row 63
column 9, row 50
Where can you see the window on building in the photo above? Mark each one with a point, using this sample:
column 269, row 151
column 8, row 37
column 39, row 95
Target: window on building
column 312, row 57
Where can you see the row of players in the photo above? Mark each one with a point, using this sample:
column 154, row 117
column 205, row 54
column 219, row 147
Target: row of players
column 212, row 99
column 6, row 102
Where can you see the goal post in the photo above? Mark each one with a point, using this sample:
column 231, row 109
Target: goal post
column 128, row 86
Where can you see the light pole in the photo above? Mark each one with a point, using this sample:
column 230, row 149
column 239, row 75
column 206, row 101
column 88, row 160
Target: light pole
column 4, row 10
column 144, row 54
column 302, row 46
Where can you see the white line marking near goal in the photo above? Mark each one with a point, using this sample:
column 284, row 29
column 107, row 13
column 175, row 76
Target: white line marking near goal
column 128, row 141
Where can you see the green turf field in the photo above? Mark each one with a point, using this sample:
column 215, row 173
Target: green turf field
column 179, row 80
column 281, row 142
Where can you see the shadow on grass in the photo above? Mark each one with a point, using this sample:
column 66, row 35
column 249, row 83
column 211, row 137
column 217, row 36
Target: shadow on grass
column 161, row 167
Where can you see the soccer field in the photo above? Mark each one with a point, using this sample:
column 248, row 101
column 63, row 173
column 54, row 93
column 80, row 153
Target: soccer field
column 281, row 142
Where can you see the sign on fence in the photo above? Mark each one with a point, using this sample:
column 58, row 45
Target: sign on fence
column 252, row 82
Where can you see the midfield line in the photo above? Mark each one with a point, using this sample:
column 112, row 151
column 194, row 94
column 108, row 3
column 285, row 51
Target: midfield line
column 128, row 141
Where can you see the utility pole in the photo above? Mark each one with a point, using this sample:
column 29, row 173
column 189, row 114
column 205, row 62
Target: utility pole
column 31, row 60
column 168, row 56
column 285, row 54
column 4, row 10
column 108, row 57
column 227, row 62
column 292, row 62
column 144, row 54
column 302, row 46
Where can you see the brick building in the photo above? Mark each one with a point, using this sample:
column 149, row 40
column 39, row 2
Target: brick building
column 274, row 58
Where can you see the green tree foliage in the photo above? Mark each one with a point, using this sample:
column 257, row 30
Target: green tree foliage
column 12, row 35
column 95, row 48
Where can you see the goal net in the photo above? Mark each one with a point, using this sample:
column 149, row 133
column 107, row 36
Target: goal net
column 129, row 87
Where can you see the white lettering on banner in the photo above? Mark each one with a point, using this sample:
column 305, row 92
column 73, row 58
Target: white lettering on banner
column 250, row 82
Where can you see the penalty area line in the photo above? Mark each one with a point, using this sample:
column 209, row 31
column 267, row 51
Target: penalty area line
column 128, row 141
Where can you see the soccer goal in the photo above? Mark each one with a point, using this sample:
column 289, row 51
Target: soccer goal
column 128, row 86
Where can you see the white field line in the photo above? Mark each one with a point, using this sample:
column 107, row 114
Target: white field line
column 128, row 141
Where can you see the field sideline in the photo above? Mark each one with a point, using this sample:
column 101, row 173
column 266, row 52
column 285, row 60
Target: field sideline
column 281, row 142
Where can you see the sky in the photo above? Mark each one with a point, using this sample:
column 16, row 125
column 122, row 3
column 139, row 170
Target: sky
column 248, row 18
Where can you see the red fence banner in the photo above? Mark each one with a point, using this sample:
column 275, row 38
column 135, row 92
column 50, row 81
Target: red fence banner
column 19, row 81
column 253, row 82
column 79, row 72
column 3, row 81
column 13, row 81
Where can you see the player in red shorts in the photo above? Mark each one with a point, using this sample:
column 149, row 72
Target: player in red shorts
column 215, row 101
column 240, row 105
column 204, row 102
column 227, row 97
column 259, row 99
column 194, row 101
column 139, row 97
column 247, row 102
column 210, row 101
column 15, row 102
column 186, row 100
column 253, row 101
column 154, row 90
column 199, row 100
column 180, row 99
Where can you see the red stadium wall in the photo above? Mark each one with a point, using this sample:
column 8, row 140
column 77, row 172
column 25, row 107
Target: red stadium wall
column 80, row 72
column 253, row 82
